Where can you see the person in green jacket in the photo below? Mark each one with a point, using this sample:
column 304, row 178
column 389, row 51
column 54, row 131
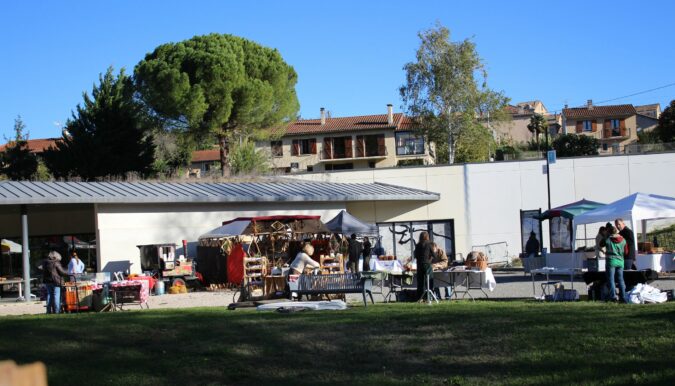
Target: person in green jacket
column 616, row 250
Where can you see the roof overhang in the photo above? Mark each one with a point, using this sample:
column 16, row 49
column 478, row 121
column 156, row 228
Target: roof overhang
column 26, row 192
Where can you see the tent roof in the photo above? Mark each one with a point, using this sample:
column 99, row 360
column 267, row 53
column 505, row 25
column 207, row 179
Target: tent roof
column 571, row 210
column 636, row 207
column 345, row 223
column 264, row 225
column 9, row 246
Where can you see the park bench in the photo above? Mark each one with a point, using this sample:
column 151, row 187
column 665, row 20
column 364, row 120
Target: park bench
column 339, row 283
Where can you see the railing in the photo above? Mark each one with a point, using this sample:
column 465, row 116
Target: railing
column 355, row 155
column 497, row 253
column 649, row 148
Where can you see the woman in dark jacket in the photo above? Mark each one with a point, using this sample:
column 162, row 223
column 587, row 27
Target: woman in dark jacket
column 52, row 277
column 423, row 255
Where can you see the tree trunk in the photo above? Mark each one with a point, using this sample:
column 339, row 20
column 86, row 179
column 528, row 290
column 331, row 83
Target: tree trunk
column 451, row 149
column 224, row 148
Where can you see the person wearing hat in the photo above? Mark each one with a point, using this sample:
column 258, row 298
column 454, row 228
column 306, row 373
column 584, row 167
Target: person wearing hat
column 52, row 273
column 616, row 249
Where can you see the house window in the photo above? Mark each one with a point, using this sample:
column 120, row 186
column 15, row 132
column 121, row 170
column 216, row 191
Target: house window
column 616, row 127
column 303, row 146
column 277, row 148
column 310, row 168
column 409, row 144
column 398, row 238
column 588, row 125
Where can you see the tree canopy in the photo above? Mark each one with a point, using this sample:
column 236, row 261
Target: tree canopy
column 108, row 135
column 218, row 86
column 666, row 127
column 17, row 162
column 575, row 145
column 446, row 89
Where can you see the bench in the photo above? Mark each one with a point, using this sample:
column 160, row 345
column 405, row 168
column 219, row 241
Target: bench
column 340, row 283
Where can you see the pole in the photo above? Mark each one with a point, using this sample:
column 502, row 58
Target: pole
column 451, row 154
column 548, row 181
column 25, row 253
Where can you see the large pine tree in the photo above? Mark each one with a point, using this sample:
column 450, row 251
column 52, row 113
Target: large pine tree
column 109, row 135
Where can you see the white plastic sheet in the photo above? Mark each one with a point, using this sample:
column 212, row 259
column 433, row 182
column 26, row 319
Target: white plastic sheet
column 644, row 293
column 333, row 305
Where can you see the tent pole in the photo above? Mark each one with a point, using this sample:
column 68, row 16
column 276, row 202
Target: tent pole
column 644, row 231
column 25, row 253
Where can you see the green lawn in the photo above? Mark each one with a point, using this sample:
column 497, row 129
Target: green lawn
column 519, row 343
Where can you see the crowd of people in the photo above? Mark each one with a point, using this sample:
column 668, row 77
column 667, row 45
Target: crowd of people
column 616, row 244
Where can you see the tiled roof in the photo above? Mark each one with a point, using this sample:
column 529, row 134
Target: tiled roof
column 406, row 124
column 206, row 155
column 600, row 111
column 342, row 124
column 36, row 145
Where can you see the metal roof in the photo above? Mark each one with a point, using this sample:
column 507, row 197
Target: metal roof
column 28, row 192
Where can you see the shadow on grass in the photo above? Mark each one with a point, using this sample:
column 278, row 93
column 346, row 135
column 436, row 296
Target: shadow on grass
column 460, row 343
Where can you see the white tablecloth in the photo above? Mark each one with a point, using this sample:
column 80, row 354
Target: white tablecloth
column 389, row 266
column 659, row 262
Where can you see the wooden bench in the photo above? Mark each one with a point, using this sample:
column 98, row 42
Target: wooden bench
column 341, row 283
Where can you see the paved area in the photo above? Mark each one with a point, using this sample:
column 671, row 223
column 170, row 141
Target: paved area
column 510, row 285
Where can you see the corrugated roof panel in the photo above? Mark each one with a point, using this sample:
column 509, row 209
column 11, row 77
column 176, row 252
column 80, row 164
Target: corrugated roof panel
column 21, row 192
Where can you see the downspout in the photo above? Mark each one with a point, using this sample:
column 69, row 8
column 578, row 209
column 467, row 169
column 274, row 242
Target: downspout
column 467, row 209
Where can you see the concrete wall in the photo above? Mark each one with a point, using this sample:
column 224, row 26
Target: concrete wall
column 121, row 227
column 485, row 199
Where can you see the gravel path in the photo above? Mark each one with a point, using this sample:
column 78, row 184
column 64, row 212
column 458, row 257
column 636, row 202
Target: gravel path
column 510, row 285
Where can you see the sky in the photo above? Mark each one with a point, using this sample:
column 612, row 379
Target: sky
column 349, row 55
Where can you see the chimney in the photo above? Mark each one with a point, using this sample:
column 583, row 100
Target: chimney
column 589, row 104
column 323, row 116
column 390, row 114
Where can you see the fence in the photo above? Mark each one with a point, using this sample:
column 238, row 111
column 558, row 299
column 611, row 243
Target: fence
column 497, row 253
column 649, row 148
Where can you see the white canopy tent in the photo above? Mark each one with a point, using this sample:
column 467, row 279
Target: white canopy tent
column 636, row 207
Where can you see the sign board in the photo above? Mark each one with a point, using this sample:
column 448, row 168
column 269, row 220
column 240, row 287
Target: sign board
column 551, row 156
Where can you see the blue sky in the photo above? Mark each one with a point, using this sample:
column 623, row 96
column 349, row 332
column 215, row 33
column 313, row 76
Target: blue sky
column 348, row 54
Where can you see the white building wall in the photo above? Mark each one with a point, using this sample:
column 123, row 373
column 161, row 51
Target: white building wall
column 485, row 199
column 120, row 227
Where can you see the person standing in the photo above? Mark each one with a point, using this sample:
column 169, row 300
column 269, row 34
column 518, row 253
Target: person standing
column 52, row 273
column 532, row 245
column 439, row 261
column 355, row 250
column 629, row 237
column 423, row 255
column 75, row 266
column 616, row 250
column 367, row 250
column 600, row 243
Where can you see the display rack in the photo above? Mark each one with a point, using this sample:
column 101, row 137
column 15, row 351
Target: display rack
column 332, row 264
column 255, row 270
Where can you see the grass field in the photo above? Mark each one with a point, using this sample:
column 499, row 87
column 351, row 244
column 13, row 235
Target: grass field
column 518, row 343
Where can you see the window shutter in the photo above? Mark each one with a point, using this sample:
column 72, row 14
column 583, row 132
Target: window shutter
column 327, row 148
column 360, row 146
column 381, row 150
column 295, row 148
column 312, row 145
column 594, row 125
column 580, row 126
column 349, row 152
column 622, row 125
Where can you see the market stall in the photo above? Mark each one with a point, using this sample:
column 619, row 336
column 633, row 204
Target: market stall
column 258, row 249
column 562, row 246
column 634, row 209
